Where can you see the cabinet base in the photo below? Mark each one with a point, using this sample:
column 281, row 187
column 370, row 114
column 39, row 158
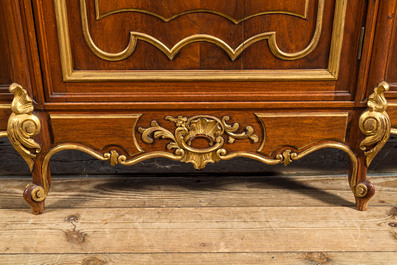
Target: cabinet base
column 270, row 138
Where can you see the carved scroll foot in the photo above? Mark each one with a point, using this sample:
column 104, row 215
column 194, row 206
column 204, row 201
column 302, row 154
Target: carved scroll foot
column 30, row 194
column 36, row 193
column 369, row 188
column 363, row 189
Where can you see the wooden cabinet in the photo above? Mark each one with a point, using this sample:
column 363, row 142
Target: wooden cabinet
column 197, row 81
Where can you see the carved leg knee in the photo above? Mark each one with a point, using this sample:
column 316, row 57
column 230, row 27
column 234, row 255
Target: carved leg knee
column 362, row 188
column 36, row 193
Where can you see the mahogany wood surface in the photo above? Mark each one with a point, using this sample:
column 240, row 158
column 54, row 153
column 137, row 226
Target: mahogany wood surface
column 5, row 74
column 384, row 55
column 100, row 131
column 293, row 112
column 311, row 128
column 113, row 35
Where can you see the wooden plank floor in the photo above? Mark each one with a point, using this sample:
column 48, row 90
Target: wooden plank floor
column 199, row 220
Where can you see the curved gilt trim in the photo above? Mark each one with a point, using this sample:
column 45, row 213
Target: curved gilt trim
column 287, row 156
column 194, row 11
column 393, row 130
column 40, row 193
column 375, row 123
column 23, row 125
column 3, row 134
column 172, row 52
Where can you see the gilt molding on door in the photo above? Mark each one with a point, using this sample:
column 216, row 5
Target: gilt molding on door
column 234, row 52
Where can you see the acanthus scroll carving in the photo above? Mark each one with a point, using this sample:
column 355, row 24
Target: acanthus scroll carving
column 188, row 129
column 375, row 123
column 23, row 125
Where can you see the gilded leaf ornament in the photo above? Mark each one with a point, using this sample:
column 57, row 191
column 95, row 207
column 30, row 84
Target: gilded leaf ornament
column 189, row 129
column 375, row 123
column 23, row 125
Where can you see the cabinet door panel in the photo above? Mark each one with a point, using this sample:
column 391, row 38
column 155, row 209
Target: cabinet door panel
column 234, row 50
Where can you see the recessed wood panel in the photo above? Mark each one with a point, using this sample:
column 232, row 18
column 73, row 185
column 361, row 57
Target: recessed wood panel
column 169, row 10
column 142, row 35
column 96, row 131
column 198, row 51
column 111, row 27
column 299, row 130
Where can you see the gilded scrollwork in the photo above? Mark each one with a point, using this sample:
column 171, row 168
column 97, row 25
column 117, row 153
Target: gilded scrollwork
column 113, row 157
column 189, row 129
column 286, row 157
column 210, row 127
column 375, row 123
column 39, row 193
column 23, row 125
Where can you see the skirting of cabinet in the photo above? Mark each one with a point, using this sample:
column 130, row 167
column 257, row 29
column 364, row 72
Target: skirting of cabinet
column 198, row 137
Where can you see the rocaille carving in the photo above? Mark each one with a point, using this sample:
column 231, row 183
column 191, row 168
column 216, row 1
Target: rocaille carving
column 209, row 126
column 23, row 125
column 375, row 123
column 188, row 129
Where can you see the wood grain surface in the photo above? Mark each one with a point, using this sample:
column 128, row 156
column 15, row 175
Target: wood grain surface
column 205, row 220
column 111, row 33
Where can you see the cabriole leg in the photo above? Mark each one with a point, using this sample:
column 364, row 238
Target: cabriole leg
column 22, row 126
column 364, row 189
column 36, row 192
column 376, row 125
